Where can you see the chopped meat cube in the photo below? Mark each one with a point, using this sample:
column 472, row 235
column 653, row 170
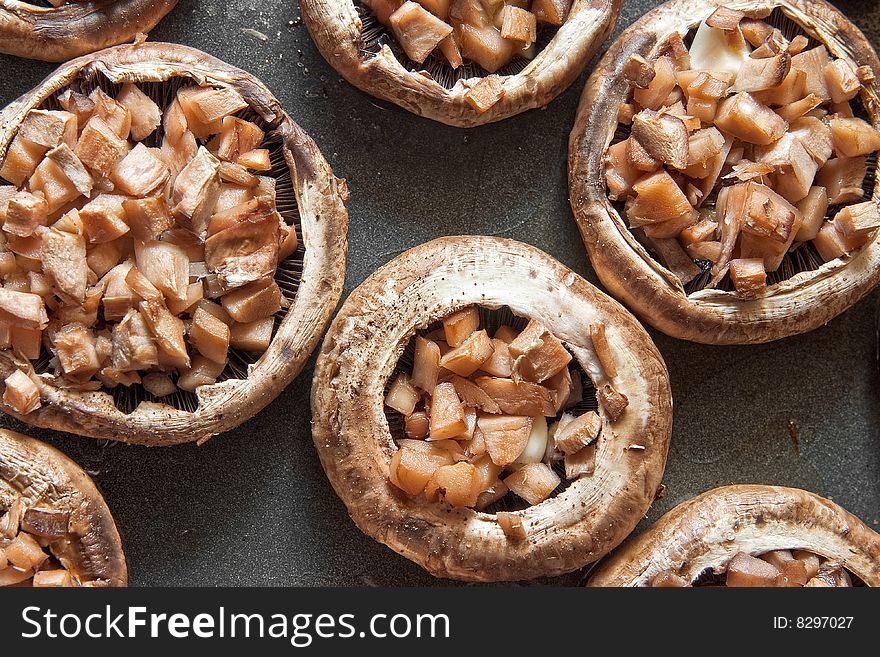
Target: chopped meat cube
column 237, row 137
column 506, row 436
column 257, row 159
column 447, row 413
column 841, row 80
column 49, row 180
column 523, row 398
column 603, row 349
column 620, row 174
column 612, row 401
column 402, row 395
column 639, row 70
column 21, row 394
column 247, row 250
column 195, row 191
column 578, row 432
column 518, row 24
column 746, row 570
column 457, row 484
column 512, row 525
column 253, row 301
column 104, row 218
column 140, row 172
column 812, row 63
column 813, row 208
column 24, row 213
column 147, row 217
column 210, row 336
column 116, row 115
column 99, row 147
column 167, row 330
column 22, row 157
column 25, row 553
column 473, row 396
column 145, row 114
column 417, row 30
column 165, row 265
column 843, row 178
column 534, row 482
column 484, row 45
column 663, row 136
column 49, row 128
column 659, row 198
column 763, row 74
column 203, row 372
column 159, row 385
column 449, row 48
column 56, row 578
column 64, row 263
column 500, row 363
column 707, row 87
column 551, row 12
column 769, row 215
column 538, row 353
column 853, row 137
column 411, row 469
column 725, row 18
column 858, row 219
column 72, row 167
column 78, row 104
column 745, row 118
column 485, row 93
column 661, row 85
column 466, row 359
column 252, row 336
column 668, row 579
column 749, row 277
column 426, row 364
column 133, row 346
column 74, row 346
column 45, row 523
column 831, row 243
column 581, row 463
column 703, row 145
column 22, row 309
column 799, row 108
column 195, row 292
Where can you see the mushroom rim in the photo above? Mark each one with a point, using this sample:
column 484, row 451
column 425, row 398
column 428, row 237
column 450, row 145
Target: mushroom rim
column 67, row 481
column 752, row 518
column 354, row 443
column 321, row 199
column 35, row 32
column 626, row 268
column 335, row 28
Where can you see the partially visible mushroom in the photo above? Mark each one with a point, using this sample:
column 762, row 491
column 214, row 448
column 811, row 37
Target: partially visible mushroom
column 726, row 528
column 75, row 27
column 55, row 528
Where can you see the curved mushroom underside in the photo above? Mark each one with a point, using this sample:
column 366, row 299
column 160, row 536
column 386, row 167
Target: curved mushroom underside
column 56, row 34
column 42, row 476
column 335, row 27
column 707, row 531
column 801, row 303
column 321, row 199
column 355, row 445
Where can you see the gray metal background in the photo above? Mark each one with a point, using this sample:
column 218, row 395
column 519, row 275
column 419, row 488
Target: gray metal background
column 253, row 507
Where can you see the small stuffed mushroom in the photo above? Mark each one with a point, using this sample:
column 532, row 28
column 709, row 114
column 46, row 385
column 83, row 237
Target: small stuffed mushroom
column 464, row 62
column 722, row 168
column 174, row 245
column 749, row 535
column 487, row 413
column 70, row 28
column 55, row 528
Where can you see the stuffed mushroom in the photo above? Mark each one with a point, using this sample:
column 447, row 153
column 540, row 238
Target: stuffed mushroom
column 58, row 30
column 722, row 168
column 173, row 245
column 55, row 528
column 749, row 535
column 487, row 413
column 464, row 62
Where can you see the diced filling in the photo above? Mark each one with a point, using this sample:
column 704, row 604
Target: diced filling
column 489, row 33
column 777, row 568
column 27, row 535
column 135, row 264
column 737, row 148
column 487, row 415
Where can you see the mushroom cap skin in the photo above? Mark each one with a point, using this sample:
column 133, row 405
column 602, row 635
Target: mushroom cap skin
column 36, row 472
column 797, row 305
column 321, row 199
column 708, row 530
column 336, row 30
column 351, row 433
column 56, row 34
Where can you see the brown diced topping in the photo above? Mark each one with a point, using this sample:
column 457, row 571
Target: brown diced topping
column 253, row 301
column 749, row 277
column 21, row 394
column 99, row 147
column 467, row 358
column 534, row 482
column 603, row 349
column 763, row 74
column 417, row 30
column 612, row 401
column 749, row 571
column 574, row 434
column 485, row 93
column 638, row 70
column 745, row 118
column 512, row 525
column 858, row 219
column 48, row 128
column 663, row 136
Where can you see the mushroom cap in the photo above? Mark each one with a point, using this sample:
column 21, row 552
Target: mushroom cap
column 352, row 436
column 56, row 34
column 336, row 29
column 37, row 473
column 321, row 199
column 799, row 304
column 708, row 530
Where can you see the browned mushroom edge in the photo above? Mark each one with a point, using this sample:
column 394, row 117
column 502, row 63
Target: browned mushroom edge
column 705, row 532
column 42, row 476
column 336, row 28
column 351, row 433
column 314, row 278
column 796, row 305
column 56, row 34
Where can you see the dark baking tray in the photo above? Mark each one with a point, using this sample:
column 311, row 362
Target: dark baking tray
column 253, row 507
